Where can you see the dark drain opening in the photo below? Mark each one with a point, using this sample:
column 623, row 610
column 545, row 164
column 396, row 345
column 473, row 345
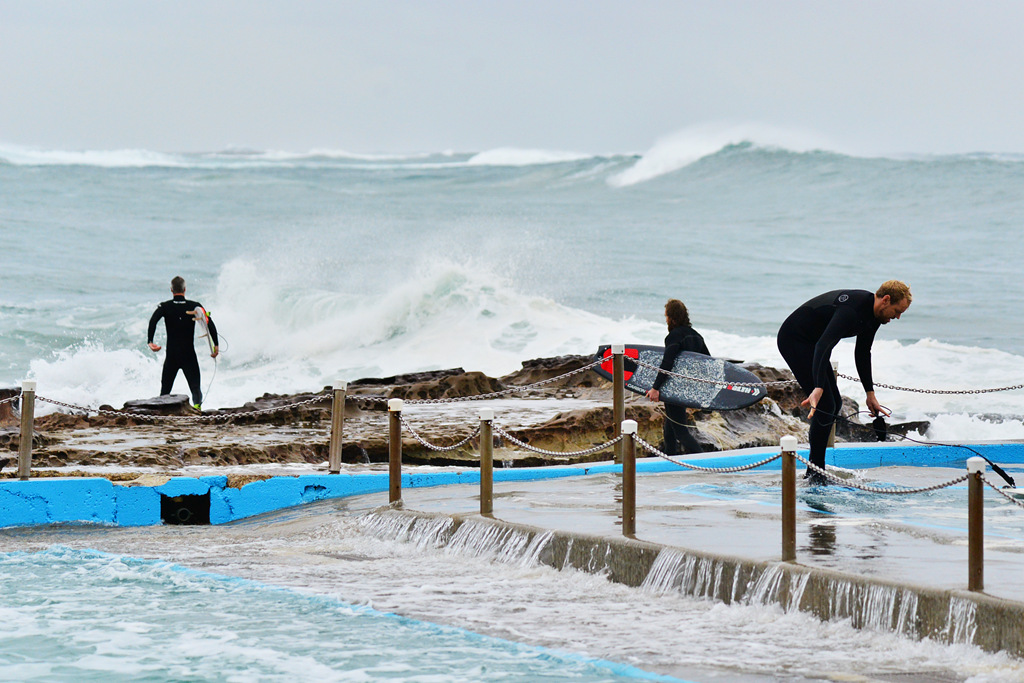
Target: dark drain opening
column 185, row 509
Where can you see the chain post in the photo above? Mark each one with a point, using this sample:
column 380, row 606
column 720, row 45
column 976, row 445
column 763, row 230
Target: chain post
column 28, row 412
column 788, row 444
column 975, row 524
column 337, row 427
column 395, row 450
column 486, row 461
column 618, row 395
column 629, row 478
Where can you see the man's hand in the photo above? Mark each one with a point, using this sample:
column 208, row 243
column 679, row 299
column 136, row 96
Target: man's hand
column 874, row 407
column 653, row 394
column 812, row 400
column 216, row 352
column 154, row 347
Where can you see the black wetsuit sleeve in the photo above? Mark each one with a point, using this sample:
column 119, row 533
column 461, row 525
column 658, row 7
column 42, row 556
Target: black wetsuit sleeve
column 843, row 324
column 673, row 345
column 213, row 330
column 862, row 356
column 153, row 320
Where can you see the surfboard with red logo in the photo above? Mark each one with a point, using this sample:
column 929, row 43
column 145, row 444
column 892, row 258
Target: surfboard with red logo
column 710, row 383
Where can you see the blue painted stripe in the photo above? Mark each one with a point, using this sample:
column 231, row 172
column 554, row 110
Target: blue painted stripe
column 99, row 501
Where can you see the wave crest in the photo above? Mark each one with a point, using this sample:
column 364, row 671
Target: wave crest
column 692, row 144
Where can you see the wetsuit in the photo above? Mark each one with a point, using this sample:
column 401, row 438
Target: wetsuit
column 181, row 352
column 806, row 341
column 678, row 423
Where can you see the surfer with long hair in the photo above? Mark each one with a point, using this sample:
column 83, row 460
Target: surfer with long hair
column 681, row 337
column 809, row 334
column 179, row 316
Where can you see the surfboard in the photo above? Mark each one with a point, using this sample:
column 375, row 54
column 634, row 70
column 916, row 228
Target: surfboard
column 201, row 317
column 720, row 391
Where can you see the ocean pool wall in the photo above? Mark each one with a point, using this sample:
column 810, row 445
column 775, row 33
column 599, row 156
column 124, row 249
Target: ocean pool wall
column 100, row 501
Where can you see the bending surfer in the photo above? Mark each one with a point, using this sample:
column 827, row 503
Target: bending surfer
column 809, row 334
column 681, row 337
column 180, row 322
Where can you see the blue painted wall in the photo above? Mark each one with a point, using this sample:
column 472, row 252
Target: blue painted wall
column 98, row 501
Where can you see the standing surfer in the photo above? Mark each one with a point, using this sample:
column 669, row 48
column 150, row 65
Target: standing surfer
column 681, row 337
column 810, row 333
column 180, row 321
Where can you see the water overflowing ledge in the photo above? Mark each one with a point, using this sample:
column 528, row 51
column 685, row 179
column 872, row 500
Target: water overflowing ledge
column 946, row 616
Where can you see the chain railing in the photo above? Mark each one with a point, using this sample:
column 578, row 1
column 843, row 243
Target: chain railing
column 184, row 418
column 1004, row 494
column 435, row 447
column 946, row 392
column 722, row 470
column 557, row 454
column 715, row 382
column 901, row 491
column 482, row 397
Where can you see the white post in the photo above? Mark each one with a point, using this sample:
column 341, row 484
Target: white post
column 629, row 478
column 486, row 461
column 395, row 449
column 28, row 411
column 975, row 524
column 337, row 427
column 618, row 394
column 788, row 444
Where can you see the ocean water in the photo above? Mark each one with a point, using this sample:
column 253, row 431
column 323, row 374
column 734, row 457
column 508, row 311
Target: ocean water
column 327, row 266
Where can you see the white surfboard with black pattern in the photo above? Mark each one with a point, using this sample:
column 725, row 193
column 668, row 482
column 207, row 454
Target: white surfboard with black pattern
column 710, row 383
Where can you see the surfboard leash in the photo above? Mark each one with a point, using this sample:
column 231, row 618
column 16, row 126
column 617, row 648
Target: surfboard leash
column 882, row 433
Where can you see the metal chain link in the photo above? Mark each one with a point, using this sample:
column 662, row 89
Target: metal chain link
column 739, row 468
column 180, row 418
column 9, row 399
column 1002, row 493
column 435, row 447
column 590, row 451
column 935, row 391
column 481, row 397
column 875, row 489
column 716, row 382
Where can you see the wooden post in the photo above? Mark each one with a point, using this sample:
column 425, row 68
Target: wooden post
column 629, row 479
column 28, row 413
column 337, row 427
column 975, row 524
column 618, row 395
column 788, row 498
column 486, row 462
column 395, row 450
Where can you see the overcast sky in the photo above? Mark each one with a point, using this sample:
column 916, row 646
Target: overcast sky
column 434, row 75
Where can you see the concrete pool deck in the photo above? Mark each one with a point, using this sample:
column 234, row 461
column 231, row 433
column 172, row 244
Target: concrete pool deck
column 712, row 535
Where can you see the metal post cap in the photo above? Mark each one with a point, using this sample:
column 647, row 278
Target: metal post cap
column 629, row 426
column 788, row 444
column 28, row 385
column 975, row 465
column 618, row 348
column 342, row 386
column 395, row 405
column 487, row 414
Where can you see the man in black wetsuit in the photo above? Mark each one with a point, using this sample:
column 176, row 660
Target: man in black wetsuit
column 810, row 333
column 681, row 337
column 179, row 319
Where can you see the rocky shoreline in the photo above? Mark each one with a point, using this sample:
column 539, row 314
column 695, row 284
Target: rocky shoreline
column 572, row 413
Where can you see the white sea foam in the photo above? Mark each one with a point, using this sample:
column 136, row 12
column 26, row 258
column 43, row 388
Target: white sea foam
column 123, row 158
column 282, row 335
column 509, row 156
column 691, row 144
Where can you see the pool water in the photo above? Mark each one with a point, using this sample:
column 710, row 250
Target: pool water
column 88, row 616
